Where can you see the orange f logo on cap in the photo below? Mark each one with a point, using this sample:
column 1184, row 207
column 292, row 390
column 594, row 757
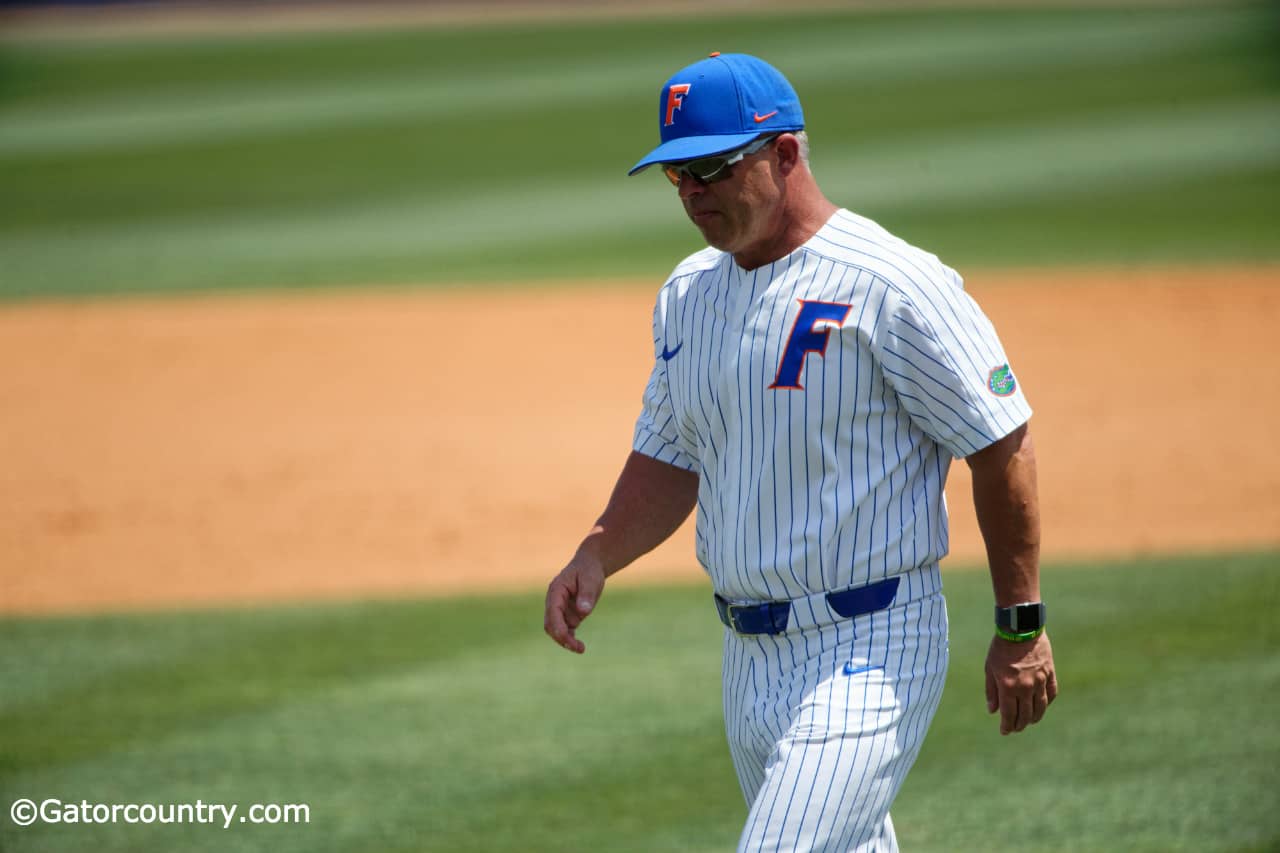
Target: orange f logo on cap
column 675, row 100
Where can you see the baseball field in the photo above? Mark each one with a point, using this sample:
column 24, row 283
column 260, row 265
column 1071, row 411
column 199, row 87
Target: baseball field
column 322, row 339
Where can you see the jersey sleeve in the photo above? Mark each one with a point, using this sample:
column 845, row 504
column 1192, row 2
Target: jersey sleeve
column 655, row 433
column 941, row 355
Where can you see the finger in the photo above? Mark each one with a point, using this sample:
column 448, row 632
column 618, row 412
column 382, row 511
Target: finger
column 554, row 620
column 1039, row 703
column 590, row 586
column 566, row 638
column 552, row 617
column 553, row 623
column 1024, row 713
column 1008, row 713
column 993, row 695
column 1051, row 688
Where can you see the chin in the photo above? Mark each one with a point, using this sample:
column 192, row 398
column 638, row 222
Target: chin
column 716, row 240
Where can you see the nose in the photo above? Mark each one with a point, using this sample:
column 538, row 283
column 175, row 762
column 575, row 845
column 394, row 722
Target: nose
column 690, row 186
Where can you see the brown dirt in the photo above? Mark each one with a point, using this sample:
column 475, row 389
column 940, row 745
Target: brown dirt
column 198, row 450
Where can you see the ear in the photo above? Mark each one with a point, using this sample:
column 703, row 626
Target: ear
column 787, row 149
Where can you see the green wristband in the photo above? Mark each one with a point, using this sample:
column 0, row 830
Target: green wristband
column 1024, row 637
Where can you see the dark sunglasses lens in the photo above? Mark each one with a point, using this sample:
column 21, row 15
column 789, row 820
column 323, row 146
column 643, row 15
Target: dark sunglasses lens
column 707, row 170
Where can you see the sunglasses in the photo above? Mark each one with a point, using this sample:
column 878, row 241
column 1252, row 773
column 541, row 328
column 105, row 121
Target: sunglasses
column 708, row 170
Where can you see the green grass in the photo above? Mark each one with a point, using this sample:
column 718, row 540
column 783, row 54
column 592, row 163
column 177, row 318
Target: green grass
column 455, row 725
column 495, row 152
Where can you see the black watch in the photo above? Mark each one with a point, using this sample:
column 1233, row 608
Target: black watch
column 1021, row 618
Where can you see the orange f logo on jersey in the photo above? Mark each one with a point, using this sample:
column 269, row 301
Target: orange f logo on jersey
column 675, row 100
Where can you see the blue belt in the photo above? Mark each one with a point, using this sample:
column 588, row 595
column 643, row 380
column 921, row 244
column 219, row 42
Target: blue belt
column 771, row 617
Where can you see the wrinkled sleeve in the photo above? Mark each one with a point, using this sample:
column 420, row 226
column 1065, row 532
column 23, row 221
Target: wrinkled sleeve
column 941, row 355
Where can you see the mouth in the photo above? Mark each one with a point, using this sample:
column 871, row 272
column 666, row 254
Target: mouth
column 701, row 217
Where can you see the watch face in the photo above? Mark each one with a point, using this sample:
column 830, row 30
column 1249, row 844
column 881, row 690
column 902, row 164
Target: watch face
column 1030, row 616
column 1021, row 618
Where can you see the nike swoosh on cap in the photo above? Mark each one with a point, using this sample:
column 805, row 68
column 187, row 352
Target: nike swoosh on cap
column 759, row 118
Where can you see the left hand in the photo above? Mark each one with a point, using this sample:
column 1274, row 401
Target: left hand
column 1020, row 681
column 570, row 599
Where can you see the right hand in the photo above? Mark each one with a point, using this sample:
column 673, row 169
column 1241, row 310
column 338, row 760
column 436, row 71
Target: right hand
column 571, row 597
column 1021, row 681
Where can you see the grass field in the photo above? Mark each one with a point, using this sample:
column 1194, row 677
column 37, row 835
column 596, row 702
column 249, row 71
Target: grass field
column 455, row 725
column 1099, row 136
column 1107, row 135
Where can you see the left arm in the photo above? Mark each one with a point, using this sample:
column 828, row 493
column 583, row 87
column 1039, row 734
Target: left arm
column 1020, row 676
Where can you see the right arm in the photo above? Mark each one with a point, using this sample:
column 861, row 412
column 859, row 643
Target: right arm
column 649, row 502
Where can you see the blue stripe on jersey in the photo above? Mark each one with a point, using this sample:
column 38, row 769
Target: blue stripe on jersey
column 801, row 487
column 942, row 368
column 956, row 416
column 706, row 305
column 780, row 561
column 826, row 565
column 756, row 409
column 875, row 492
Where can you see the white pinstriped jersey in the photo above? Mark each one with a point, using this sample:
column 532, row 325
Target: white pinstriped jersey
column 821, row 400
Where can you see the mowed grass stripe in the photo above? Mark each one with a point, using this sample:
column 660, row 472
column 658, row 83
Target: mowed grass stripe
column 415, row 149
column 143, row 686
column 399, row 161
column 1122, row 224
column 844, row 55
column 84, row 68
column 455, row 725
column 1061, row 158
column 1056, row 161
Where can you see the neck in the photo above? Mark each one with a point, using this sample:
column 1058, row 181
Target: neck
column 803, row 211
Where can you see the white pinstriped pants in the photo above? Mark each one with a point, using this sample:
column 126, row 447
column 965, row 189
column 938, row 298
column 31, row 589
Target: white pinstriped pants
column 823, row 725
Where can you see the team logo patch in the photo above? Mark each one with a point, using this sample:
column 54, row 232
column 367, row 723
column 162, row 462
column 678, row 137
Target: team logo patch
column 1000, row 381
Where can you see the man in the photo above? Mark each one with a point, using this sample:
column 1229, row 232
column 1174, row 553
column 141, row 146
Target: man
column 813, row 378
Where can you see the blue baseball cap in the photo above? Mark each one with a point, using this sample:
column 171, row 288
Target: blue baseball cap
column 721, row 103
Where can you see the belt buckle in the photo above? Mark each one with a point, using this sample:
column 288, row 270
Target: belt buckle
column 730, row 610
column 731, row 616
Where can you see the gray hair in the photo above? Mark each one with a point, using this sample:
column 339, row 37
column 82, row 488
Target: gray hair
column 803, row 139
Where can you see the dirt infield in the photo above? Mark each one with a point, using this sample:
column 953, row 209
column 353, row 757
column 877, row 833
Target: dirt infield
column 267, row 448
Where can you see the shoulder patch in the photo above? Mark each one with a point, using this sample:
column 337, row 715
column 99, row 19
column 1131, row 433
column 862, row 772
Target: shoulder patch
column 1001, row 382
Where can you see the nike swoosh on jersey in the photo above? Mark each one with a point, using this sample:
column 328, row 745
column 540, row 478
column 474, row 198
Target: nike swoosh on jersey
column 759, row 118
column 667, row 354
column 850, row 669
